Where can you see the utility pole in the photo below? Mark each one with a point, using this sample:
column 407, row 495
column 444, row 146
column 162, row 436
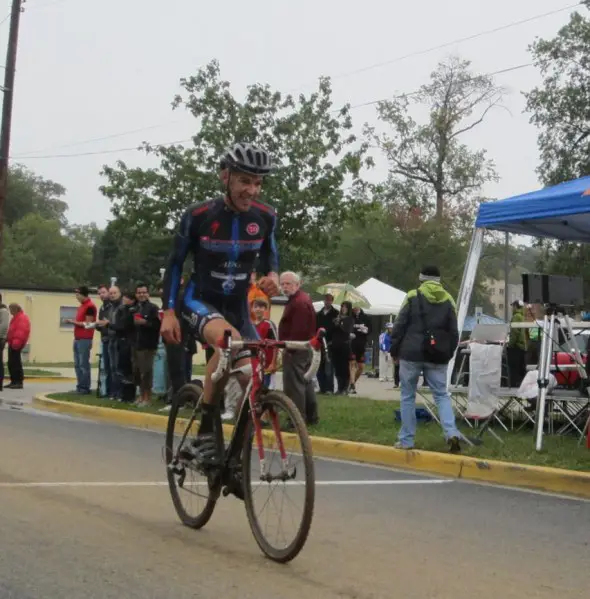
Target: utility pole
column 7, row 109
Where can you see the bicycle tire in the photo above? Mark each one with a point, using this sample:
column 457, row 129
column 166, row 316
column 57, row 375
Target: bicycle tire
column 290, row 552
column 187, row 393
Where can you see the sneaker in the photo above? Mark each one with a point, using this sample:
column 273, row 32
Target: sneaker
column 382, row 380
column 166, row 408
column 352, row 390
column 454, row 445
column 399, row 445
column 228, row 415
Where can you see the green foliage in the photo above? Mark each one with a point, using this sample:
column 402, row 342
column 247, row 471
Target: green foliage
column 129, row 254
column 311, row 142
column 560, row 108
column 38, row 254
column 29, row 193
column 443, row 172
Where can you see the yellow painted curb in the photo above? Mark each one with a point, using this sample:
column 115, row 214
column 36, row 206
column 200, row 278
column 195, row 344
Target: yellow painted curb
column 555, row 480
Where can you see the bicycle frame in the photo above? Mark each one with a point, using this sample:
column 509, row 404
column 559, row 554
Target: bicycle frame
column 253, row 393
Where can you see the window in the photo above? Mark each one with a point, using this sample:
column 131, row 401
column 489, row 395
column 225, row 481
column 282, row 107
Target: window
column 500, row 306
column 65, row 313
column 492, row 290
column 501, row 290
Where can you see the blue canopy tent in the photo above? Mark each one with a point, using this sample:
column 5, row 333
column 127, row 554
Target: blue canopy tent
column 558, row 212
column 471, row 321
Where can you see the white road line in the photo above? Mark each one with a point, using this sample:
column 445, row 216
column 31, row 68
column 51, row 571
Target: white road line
column 319, row 483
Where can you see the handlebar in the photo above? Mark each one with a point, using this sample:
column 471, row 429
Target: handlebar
column 227, row 345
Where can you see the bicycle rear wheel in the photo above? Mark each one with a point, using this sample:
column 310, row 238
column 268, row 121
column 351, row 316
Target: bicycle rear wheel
column 186, row 480
column 260, row 476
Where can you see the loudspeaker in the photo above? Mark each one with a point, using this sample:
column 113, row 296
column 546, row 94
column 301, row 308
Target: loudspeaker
column 553, row 289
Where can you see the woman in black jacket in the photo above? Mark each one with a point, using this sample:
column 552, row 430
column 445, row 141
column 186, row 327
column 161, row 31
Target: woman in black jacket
column 341, row 346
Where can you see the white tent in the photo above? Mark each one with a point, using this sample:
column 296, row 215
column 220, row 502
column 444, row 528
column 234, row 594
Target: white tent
column 385, row 300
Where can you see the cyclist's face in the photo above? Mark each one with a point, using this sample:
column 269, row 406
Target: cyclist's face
column 244, row 189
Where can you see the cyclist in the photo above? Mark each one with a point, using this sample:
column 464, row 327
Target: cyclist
column 227, row 236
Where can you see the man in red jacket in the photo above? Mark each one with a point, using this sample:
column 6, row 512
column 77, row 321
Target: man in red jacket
column 19, row 331
column 84, row 325
column 298, row 323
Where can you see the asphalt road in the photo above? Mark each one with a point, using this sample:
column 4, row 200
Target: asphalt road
column 409, row 537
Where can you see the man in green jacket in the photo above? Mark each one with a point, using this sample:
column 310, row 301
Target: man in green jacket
column 517, row 344
column 428, row 315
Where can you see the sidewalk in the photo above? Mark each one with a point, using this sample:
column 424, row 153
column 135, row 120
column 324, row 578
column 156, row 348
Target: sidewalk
column 366, row 387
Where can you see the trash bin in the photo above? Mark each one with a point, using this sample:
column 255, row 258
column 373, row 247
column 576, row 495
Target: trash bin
column 160, row 384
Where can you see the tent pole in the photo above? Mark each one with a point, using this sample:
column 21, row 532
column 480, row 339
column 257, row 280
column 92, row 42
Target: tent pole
column 506, row 276
column 466, row 289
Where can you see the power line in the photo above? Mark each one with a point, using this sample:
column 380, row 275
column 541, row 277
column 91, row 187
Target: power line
column 457, row 41
column 95, row 139
column 5, row 19
column 369, row 103
column 474, row 78
column 346, row 74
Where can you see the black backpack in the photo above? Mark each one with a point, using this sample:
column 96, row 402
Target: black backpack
column 437, row 341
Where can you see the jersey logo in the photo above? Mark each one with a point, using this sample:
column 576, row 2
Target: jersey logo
column 214, row 227
column 252, row 229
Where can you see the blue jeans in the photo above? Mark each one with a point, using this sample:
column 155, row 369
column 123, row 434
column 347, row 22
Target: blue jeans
column 435, row 376
column 105, row 370
column 115, row 388
column 82, row 349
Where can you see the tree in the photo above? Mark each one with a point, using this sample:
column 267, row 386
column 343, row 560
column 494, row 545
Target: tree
column 392, row 244
column 38, row 254
column 560, row 107
column 443, row 172
column 311, row 142
column 29, row 193
column 130, row 255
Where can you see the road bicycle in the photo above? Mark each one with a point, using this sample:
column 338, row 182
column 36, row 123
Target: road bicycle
column 260, row 435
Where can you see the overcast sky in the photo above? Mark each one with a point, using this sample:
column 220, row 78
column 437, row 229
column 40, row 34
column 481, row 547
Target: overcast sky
column 90, row 69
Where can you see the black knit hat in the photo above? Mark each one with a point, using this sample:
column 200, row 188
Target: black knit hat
column 430, row 273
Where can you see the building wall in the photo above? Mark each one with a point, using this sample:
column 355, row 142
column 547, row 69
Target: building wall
column 51, row 340
column 496, row 292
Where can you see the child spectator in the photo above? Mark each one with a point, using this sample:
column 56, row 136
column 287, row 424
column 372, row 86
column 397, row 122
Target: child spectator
column 266, row 329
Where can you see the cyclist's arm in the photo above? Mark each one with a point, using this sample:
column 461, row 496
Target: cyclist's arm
column 176, row 262
column 269, row 255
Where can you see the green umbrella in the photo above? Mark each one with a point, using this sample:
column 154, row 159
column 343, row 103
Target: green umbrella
column 345, row 292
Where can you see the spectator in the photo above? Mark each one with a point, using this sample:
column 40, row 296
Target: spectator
column 17, row 337
column 113, row 341
column 385, row 360
column 517, row 346
column 4, row 322
column 125, row 334
column 266, row 329
column 361, row 329
column 325, row 320
column 425, row 337
column 255, row 293
column 83, row 335
column 146, row 320
column 298, row 324
column 105, row 371
column 341, row 334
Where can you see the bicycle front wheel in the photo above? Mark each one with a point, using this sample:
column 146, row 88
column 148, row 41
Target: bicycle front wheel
column 268, row 476
column 194, row 491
